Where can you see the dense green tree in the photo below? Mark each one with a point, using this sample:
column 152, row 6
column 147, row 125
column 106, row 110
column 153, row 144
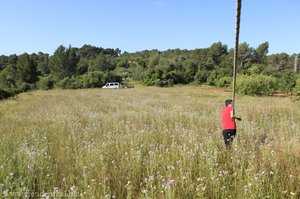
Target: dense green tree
column 43, row 63
column 3, row 61
column 12, row 59
column 63, row 63
column 189, row 71
column 279, row 61
column 268, row 70
column 245, row 55
column 82, row 66
column 137, row 72
column 89, row 52
column 8, row 77
column 200, row 55
column 161, row 75
column 216, row 52
column 260, row 53
column 26, row 69
column 154, row 61
column 102, row 63
column 201, row 75
column 124, row 63
column 122, row 72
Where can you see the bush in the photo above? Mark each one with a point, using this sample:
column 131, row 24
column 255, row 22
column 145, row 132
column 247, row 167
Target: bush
column 224, row 81
column 93, row 79
column 212, row 78
column 112, row 77
column 296, row 89
column 201, row 76
column 287, row 81
column 24, row 87
column 255, row 69
column 161, row 76
column 256, row 85
column 4, row 94
column 68, row 83
column 45, row 83
column 219, row 76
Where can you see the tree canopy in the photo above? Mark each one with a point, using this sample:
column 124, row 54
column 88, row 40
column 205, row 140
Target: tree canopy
column 91, row 66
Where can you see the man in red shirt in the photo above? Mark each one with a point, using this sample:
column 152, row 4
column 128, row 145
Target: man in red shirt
column 228, row 123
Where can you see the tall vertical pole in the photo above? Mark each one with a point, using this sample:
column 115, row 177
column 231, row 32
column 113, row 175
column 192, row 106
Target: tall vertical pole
column 235, row 55
column 296, row 64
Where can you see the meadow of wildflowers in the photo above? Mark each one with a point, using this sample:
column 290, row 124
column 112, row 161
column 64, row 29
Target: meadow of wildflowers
column 147, row 143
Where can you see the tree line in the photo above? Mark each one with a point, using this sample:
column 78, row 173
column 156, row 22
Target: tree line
column 91, row 67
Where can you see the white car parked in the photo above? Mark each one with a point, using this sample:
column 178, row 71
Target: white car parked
column 112, row 85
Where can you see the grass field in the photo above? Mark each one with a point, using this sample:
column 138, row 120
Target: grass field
column 147, row 142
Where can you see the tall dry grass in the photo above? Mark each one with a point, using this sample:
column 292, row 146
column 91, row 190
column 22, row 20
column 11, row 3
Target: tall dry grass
column 147, row 143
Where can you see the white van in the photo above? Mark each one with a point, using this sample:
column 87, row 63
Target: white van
column 112, row 85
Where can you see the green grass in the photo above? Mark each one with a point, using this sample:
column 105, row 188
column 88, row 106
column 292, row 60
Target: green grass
column 147, row 142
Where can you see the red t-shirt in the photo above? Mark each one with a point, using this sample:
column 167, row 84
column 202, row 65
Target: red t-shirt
column 227, row 122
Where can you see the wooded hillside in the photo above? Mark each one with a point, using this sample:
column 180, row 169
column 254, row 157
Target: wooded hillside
column 91, row 67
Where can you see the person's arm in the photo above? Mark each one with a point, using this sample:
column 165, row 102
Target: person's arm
column 238, row 118
column 231, row 114
column 233, row 117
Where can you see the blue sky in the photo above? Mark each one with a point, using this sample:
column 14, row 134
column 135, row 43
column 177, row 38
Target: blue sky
column 34, row 26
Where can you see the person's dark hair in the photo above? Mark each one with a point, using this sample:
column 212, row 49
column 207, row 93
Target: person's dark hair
column 228, row 101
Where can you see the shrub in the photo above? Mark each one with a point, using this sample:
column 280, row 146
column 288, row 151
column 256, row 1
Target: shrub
column 224, row 81
column 112, row 77
column 296, row 89
column 68, row 83
column 161, row 76
column 212, row 78
column 92, row 79
column 256, row 85
column 45, row 83
column 286, row 81
column 24, row 87
column 201, row 76
column 255, row 69
column 4, row 94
